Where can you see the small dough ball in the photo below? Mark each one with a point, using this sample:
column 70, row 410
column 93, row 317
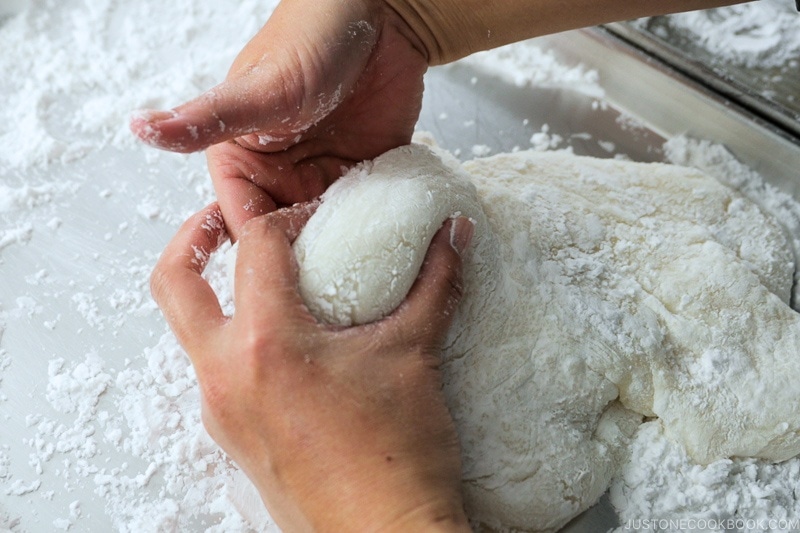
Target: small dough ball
column 359, row 257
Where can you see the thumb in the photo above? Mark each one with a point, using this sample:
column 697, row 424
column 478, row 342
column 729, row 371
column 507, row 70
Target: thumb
column 238, row 106
column 430, row 306
column 286, row 79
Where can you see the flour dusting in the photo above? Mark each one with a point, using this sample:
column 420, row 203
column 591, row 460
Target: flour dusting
column 659, row 481
column 525, row 64
column 598, row 292
column 100, row 405
column 753, row 34
column 661, row 484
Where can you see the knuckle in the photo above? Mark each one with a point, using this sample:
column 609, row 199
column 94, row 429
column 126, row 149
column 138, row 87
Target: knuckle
column 262, row 350
column 254, row 346
column 257, row 228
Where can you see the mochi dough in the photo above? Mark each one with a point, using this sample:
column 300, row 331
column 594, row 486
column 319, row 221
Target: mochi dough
column 597, row 293
column 361, row 251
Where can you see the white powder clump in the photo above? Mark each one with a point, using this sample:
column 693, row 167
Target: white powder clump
column 4, row 463
column 525, row 64
column 543, row 140
column 754, row 34
column 481, row 150
column 18, row 235
column 660, row 482
column 5, row 362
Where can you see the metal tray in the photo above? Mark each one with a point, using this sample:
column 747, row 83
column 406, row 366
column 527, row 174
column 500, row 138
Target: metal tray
column 460, row 113
column 768, row 91
column 636, row 85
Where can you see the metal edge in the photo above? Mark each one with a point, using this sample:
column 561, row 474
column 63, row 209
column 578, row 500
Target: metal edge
column 705, row 75
column 672, row 104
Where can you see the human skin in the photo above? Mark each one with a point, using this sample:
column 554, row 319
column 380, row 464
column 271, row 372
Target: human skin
column 340, row 429
column 286, row 133
column 326, row 83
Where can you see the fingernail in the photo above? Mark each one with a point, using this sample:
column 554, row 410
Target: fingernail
column 461, row 232
column 152, row 115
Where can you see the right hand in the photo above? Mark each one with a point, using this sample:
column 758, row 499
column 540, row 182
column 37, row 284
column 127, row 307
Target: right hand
column 324, row 84
column 339, row 429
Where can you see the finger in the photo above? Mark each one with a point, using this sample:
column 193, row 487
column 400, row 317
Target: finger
column 432, row 301
column 249, row 103
column 286, row 79
column 266, row 269
column 189, row 304
column 250, row 184
column 234, row 171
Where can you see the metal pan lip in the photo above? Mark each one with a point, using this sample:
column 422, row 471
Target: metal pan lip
column 728, row 87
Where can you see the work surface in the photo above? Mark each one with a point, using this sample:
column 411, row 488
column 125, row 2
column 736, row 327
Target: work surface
column 99, row 408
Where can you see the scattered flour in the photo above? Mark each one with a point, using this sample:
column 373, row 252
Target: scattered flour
column 90, row 442
column 753, row 34
column 17, row 235
column 79, row 68
column 661, row 489
column 5, row 362
column 176, row 476
column 525, row 64
column 107, row 430
column 543, row 140
column 481, row 150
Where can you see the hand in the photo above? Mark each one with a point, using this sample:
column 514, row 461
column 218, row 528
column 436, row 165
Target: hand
column 323, row 85
column 339, row 429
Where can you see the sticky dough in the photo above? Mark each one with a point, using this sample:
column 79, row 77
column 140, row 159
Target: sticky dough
column 361, row 251
column 597, row 292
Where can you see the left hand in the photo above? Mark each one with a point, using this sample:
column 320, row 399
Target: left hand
column 325, row 84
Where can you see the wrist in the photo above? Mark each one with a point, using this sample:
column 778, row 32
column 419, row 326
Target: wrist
column 451, row 29
column 376, row 500
column 415, row 488
column 401, row 16
column 361, row 511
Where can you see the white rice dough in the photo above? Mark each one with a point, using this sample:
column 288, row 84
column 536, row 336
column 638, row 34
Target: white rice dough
column 597, row 292
column 361, row 251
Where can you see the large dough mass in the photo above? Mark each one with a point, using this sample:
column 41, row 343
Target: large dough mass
column 597, row 292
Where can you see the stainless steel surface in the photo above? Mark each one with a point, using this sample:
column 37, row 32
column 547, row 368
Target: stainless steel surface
column 773, row 92
column 460, row 113
column 671, row 104
column 752, row 87
column 666, row 104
